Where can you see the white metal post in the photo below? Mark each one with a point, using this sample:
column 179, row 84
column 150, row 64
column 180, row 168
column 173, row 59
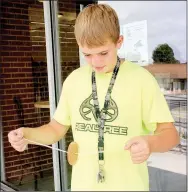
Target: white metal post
column 51, row 86
column 2, row 151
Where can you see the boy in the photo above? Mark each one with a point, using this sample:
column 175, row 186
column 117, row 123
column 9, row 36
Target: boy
column 112, row 107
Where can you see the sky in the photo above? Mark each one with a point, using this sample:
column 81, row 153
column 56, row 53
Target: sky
column 166, row 22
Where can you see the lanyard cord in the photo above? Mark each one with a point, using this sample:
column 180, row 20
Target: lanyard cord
column 101, row 115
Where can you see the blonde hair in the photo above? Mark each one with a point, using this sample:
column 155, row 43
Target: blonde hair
column 96, row 24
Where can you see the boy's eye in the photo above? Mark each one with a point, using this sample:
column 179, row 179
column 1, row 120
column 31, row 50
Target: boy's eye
column 88, row 55
column 105, row 53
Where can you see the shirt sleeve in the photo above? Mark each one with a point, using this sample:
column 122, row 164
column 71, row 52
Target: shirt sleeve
column 154, row 105
column 62, row 113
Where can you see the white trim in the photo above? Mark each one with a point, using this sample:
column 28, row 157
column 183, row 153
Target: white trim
column 2, row 151
column 51, row 85
column 81, row 56
column 187, row 85
column 6, row 187
column 58, row 84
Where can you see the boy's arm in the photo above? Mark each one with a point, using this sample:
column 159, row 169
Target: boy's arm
column 165, row 138
column 47, row 134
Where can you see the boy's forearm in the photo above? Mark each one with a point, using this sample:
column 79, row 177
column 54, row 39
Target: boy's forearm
column 44, row 134
column 163, row 141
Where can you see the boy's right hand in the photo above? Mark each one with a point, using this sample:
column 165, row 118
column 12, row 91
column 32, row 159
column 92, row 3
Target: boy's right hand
column 17, row 140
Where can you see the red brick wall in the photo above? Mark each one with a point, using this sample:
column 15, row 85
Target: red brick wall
column 17, row 80
column 68, row 45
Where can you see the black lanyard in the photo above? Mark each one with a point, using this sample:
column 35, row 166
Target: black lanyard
column 101, row 115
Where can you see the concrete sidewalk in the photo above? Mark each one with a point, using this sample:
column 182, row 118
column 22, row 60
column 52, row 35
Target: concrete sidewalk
column 162, row 180
column 167, row 172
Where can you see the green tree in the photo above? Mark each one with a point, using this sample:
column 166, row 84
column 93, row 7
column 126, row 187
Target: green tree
column 163, row 53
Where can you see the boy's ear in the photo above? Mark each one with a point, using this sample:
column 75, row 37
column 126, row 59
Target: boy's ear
column 120, row 41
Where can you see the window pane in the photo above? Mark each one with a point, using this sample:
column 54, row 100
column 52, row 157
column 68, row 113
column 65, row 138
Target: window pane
column 25, row 92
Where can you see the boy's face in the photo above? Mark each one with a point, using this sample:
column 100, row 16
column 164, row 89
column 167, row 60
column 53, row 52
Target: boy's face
column 102, row 59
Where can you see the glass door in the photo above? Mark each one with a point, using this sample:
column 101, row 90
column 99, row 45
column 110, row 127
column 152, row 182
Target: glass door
column 25, row 94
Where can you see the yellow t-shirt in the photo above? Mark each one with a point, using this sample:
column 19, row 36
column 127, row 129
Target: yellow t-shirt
column 136, row 105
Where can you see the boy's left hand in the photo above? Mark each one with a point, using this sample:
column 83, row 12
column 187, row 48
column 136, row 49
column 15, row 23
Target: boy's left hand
column 139, row 149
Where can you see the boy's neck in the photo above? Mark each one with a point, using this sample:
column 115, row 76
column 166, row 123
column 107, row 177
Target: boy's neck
column 121, row 62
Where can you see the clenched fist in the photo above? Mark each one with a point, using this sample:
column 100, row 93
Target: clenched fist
column 17, row 140
column 139, row 149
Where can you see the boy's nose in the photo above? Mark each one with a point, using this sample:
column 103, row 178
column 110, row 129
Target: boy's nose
column 96, row 62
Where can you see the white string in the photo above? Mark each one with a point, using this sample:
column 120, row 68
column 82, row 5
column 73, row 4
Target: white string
column 60, row 149
column 46, row 145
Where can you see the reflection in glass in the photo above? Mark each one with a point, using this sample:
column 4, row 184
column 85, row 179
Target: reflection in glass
column 25, row 92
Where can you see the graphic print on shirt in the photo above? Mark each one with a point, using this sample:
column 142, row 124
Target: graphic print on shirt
column 87, row 111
